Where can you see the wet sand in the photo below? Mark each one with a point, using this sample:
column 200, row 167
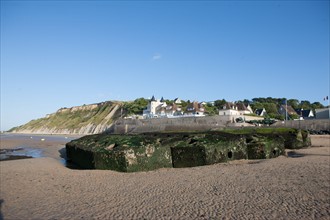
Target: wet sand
column 279, row 188
column 50, row 146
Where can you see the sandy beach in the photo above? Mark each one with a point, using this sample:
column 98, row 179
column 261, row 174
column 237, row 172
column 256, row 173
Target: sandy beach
column 296, row 187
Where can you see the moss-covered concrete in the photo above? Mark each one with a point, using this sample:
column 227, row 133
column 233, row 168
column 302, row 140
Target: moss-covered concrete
column 149, row 151
column 264, row 147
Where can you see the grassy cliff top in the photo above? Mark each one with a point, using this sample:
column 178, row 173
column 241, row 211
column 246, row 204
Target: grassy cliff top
column 76, row 117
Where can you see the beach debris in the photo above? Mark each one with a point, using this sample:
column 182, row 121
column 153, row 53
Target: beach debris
column 42, row 139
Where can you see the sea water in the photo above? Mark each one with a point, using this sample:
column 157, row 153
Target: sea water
column 23, row 151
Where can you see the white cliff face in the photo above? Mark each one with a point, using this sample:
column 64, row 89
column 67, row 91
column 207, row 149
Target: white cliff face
column 81, row 120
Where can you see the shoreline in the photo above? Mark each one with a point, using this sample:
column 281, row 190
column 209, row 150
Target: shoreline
column 38, row 134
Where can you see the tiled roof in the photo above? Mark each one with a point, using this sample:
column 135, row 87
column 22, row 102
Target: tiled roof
column 241, row 107
column 195, row 107
column 303, row 113
column 289, row 109
column 259, row 111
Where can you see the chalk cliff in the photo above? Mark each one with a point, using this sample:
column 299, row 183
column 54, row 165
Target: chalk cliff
column 85, row 119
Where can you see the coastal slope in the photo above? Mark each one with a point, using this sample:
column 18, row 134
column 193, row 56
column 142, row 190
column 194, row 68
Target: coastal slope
column 85, row 119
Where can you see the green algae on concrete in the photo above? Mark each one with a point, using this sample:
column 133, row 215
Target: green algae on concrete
column 263, row 147
column 293, row 138
column 149, row 151
column 126, row 153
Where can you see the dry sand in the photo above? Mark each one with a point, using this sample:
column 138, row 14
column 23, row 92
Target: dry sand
column 279, row 188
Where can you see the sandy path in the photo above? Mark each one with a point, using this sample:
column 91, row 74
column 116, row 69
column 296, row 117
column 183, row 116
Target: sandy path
column 280, row 188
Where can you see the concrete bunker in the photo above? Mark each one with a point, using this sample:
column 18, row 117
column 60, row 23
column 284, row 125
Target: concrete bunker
column 149, row 151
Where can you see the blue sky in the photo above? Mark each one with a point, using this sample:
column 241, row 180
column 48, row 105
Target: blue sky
column 65, row 53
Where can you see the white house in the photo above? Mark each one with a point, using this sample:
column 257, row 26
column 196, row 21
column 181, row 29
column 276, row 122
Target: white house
column 154, row 108
column 159, row 108
column 235, row 109
column 229, row 109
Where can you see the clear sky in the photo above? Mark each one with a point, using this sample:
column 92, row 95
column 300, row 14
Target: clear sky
column 65, row 53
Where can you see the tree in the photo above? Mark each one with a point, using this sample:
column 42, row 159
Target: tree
column 168, row 102
column 219, row 103
column 317, row 105
column 257, row 105
column 305, row 104
column 271, row 108
column 141, row 102
column 276, row 116
column 294, row 103
column 136, row 107
column 247, row 102
column 261, row 100
column 211, row 110
column 184, row 104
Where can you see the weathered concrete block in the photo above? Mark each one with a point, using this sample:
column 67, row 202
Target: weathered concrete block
column 149, row 151
column 259, row 147
column 223, row 147
column 188, row 156
column 296, row 139
column 148, row 158
column 83, row 158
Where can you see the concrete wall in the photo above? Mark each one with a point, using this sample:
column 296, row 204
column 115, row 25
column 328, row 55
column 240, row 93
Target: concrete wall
column 313, row 124
column 202, row 124
column 178, row 124
column 169, row 124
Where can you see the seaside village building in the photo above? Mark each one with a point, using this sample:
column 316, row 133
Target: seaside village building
column 195, row 109
column 260, row 111
column 232, row 111
column 305, row 113
column 235, row 109
column 159, row 108
column 287, row 111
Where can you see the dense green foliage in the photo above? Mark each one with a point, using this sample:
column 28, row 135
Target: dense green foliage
column 136, row 107
column 259, row 102
column 272, row 105
column 219, row 103
column 213, row 109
